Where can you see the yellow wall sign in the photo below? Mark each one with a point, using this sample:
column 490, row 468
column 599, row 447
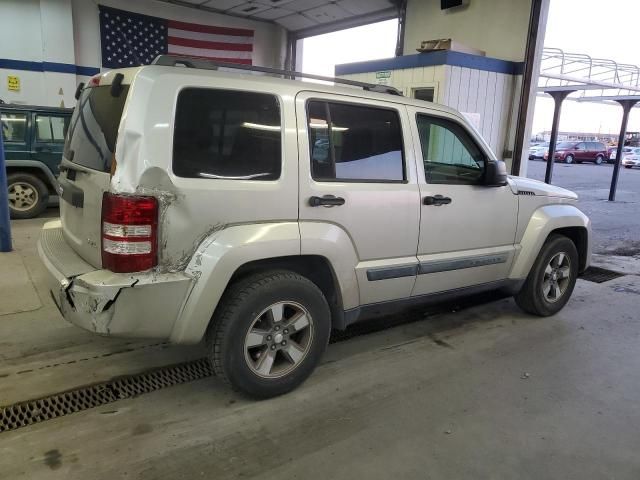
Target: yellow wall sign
column 13, row 83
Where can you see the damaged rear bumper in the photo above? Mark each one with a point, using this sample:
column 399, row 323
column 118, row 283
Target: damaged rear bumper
column 143, row 304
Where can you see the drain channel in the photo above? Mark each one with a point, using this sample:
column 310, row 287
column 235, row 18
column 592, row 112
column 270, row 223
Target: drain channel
column 27, row 413
column 599, row 275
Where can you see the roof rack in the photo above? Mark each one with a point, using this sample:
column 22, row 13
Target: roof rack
column 193, row 62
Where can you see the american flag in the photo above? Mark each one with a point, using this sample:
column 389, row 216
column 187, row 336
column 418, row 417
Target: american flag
column 130, row 39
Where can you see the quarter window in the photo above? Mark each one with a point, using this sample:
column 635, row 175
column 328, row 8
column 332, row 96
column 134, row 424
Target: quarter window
column 14, row 126
column 225, row 134
column 449, row 154
column 355, row 143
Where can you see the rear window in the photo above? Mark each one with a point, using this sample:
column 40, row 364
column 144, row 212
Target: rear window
column 227, row 134
column 13, row 126
column 92, row 135
column 354, row 143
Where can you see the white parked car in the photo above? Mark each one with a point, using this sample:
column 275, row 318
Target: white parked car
column 538, row 151
column 259, row 213
column 631, row 157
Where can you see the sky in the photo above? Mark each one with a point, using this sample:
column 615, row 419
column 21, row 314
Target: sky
column 599, row 29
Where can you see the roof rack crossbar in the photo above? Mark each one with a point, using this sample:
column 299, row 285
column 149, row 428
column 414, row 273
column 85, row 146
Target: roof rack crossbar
column 194, row 62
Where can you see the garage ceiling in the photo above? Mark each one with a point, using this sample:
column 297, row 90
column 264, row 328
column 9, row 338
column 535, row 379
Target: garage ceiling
column 300, row 16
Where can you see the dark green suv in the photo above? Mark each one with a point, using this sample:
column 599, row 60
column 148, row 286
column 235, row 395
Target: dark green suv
column 33, row 141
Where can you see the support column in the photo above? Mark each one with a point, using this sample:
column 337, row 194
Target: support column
column 627, row 105
column 558, row 97
column 5, row 224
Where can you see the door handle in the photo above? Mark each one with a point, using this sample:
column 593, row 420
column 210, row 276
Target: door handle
column 326, row 201
column 436, row 200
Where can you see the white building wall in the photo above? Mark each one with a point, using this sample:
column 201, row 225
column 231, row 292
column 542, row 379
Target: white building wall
column 67, row 33
column 498, row 27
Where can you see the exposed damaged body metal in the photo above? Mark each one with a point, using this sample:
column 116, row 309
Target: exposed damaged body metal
column 109, row 303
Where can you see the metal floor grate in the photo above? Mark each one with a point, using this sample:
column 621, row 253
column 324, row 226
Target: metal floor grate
column 599, row 275
column 26, row 413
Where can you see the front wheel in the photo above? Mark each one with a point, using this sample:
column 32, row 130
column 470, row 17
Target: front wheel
column 551, row 279
column 269, row 333
column 568, row 159
column 599, row 160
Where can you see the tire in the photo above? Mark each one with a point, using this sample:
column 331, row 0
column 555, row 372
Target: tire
column 568, row 159
column 627, row 166
column 28, row 195
column 599, row 160
column 247, row 347
column 532, row 297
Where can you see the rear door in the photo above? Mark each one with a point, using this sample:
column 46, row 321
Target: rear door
column 352, row 152
column 48, row 139
column 87, row 160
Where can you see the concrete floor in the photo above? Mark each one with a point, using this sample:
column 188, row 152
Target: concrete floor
column 486, row 392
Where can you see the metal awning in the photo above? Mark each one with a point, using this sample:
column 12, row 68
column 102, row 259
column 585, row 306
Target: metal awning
column 562, row 74
column 303, row 18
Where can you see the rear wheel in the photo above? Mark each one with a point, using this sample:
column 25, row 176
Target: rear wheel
column 551, row 279
column 568, row 159
column 269, row 333
column 28, row 195
column 599, row 160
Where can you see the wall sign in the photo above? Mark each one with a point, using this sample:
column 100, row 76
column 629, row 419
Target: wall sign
column 383, row 77
column 13, row 83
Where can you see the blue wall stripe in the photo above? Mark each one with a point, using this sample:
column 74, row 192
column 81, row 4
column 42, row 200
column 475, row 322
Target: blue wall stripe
column 441, row 57
column 47, row 67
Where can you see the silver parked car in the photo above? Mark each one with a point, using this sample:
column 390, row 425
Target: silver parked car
column 259, row 213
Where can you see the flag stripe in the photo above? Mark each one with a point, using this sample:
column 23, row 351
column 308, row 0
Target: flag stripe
column 208, row 37
column 194, row 27
column 186, row 42
column 209, row 53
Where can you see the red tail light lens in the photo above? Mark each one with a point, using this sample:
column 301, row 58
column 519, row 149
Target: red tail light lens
column 129, row 233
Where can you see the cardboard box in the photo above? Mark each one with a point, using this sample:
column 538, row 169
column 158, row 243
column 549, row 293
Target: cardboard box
column 448, row 44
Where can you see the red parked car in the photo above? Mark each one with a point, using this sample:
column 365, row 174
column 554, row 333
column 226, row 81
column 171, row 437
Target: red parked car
column 569, row 152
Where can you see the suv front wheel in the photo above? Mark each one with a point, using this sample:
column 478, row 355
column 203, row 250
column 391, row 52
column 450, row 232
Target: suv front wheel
column 269, row 333
column 551, row 279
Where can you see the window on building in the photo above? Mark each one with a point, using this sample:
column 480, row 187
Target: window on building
column 14, row 126
column 449, row 154
column 425, row 94
column 353, row 142
column 224, row 134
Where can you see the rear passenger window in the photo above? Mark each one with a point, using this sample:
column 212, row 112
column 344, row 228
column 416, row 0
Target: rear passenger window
column 50, row 129
column 13, row 126
column 355, row 143
column 225, row 134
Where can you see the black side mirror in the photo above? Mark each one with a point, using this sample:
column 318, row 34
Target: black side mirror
column 496, row 174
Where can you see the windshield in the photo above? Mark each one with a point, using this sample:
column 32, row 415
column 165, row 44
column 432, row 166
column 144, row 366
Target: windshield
column 562, row 145
column 91, row 140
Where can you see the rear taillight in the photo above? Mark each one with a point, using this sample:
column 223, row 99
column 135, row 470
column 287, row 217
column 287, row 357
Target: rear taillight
column 129, row 233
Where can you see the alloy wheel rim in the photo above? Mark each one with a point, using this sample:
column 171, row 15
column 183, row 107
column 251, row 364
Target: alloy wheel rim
column 279, row 339
column 22, row 196
column 556, row 278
